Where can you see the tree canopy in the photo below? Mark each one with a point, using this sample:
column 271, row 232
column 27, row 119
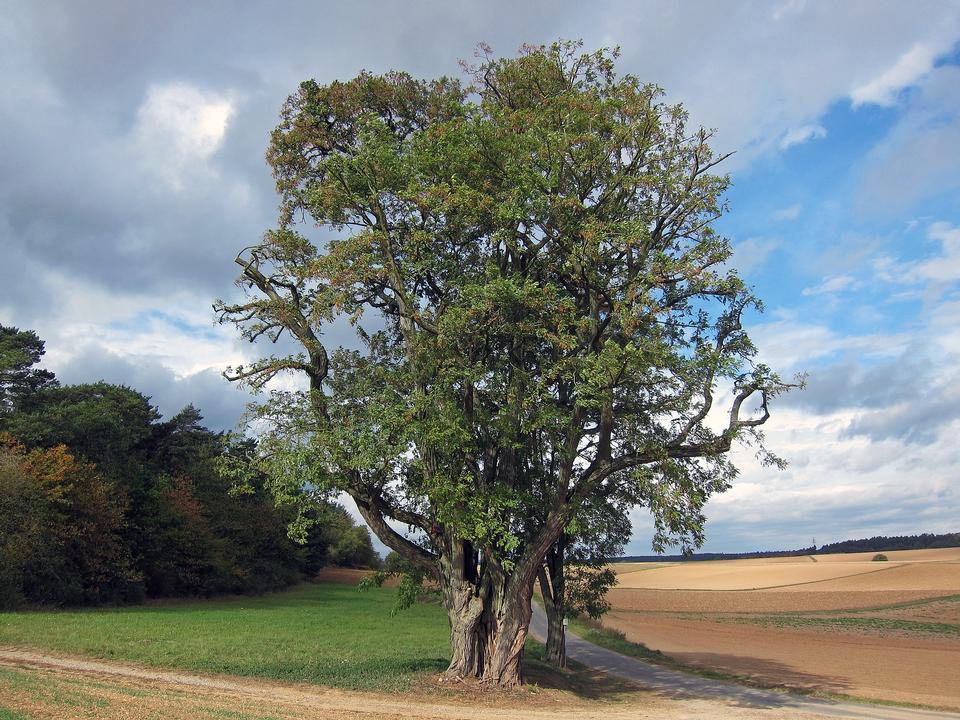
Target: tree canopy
column 544, row 318
column 103, row 501
column 20, row 350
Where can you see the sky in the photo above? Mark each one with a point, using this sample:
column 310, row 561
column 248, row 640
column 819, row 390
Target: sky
column 132, row 138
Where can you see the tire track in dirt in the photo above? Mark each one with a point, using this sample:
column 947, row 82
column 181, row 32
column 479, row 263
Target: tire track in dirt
column 177, row 694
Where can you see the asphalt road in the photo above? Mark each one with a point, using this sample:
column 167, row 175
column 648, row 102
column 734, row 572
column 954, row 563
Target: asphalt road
column 672, row 682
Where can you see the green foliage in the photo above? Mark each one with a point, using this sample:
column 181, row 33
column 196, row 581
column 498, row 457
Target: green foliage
column 879, row 557
column 112, row 504
column 899, row 542
column 412, row 586
column 20, row 350
column 554, row 314
column 60, row 531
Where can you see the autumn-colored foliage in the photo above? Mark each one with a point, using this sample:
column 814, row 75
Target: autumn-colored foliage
column 61, row 537
column 101, row 501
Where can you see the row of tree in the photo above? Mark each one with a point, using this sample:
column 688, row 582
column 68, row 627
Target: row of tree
column 103, row 501
column 895, row 542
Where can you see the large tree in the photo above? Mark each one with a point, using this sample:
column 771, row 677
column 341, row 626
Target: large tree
column 544, row 316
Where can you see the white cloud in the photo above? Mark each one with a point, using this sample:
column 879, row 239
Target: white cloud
column 918, row 157
column 944, row 268
column 179, row 127
column 836, row 487
column 789, row 344
column 834, row 284
column 758, row 76
column 937, row 271
column 801, row 135
column 176, row 331
column 788, row 213
column 752, row 253
column 906, row 71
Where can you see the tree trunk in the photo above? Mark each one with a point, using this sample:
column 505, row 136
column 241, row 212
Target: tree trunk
column 489, row 619
column 554, row 604
column 504, row 664
column 469, row 628
column 556, row 646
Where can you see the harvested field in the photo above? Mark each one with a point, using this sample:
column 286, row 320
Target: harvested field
column 929, row 555
column 837, row 623
column 720, row 601
column 897, row 669
column 734, row 575
column 940, row 578
column 908, row 570
column 624, row 568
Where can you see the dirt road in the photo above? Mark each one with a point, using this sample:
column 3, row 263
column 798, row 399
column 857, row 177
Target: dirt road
column 57, row 688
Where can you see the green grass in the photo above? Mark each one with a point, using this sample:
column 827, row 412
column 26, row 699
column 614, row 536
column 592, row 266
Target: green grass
column 856, row 624
column 618, row 643
column 40, row 689
column 6, row 714
column 327, row 634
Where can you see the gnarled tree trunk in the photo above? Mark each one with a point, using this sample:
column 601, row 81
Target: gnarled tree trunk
column 469, row 615
column 503, row 667
column 489, row 615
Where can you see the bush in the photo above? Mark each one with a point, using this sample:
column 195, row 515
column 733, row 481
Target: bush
column 880, row 557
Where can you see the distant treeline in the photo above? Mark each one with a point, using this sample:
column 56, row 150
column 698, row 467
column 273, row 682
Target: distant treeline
column 896, row 542
column 103, row 501
column 875, row 544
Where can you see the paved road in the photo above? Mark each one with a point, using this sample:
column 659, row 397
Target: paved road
column 677, row 683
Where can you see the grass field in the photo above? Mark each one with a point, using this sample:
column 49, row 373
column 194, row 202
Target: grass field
column 275, row 657
column 327, row 634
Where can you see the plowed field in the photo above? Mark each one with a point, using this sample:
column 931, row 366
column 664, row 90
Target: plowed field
column 837, row 623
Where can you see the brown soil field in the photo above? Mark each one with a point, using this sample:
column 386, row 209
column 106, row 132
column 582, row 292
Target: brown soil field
column 946, row 610
column 751, row 601
column 624, row 568
column 840, row 624
column 54, row 687
column 896, row 669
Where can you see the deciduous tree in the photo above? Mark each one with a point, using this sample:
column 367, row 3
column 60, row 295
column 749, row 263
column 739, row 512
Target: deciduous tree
column 543, row 310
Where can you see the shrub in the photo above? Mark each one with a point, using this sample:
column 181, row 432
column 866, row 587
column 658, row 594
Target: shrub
column 880, row 557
